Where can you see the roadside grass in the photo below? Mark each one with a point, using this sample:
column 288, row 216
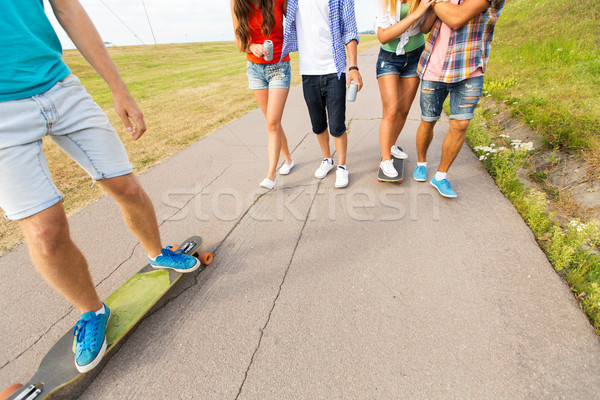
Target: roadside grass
column 571, row 250
column 186, row 91
column 545, row 63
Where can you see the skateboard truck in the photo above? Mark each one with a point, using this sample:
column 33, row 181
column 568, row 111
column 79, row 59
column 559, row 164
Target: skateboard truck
column 31, row 392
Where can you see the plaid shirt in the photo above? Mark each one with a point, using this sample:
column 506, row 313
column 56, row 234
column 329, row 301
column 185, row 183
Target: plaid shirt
column 469, row 47
column 342, row 24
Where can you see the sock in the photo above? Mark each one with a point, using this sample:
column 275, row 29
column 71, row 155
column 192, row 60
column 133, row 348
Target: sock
column 440, row 175
column 101, row 311
column 329, row 160
column 153, row 258
column 422, row 164
column 342, row 167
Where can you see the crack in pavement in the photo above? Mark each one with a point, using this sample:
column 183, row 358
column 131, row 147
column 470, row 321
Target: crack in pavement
column 262, row 331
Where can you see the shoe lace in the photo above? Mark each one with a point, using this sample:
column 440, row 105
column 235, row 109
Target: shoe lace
column 446, row 184
column 173, row 255
column 85, row 332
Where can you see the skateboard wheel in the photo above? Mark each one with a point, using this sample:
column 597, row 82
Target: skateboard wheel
column 9, row 391
column 205, row 257
column 174, row 247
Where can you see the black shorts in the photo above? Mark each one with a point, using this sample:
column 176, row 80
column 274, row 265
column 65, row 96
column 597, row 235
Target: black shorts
column 325, row 96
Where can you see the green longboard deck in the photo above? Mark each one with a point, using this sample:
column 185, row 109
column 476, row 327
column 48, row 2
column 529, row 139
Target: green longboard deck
column 57, row 377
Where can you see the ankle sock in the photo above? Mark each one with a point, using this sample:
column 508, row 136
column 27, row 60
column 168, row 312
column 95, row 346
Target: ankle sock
column 422, row 164
column 342, row 167
column 440, row 175
column 101, row 311
column 329, row 160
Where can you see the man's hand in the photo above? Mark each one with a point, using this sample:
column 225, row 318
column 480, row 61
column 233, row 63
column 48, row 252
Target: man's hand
column 128, row 110
column 354, row 75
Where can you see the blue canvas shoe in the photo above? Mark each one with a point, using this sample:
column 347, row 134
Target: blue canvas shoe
column 90, row 334
column 420, row 173
column 175, row 260
column 444, row 187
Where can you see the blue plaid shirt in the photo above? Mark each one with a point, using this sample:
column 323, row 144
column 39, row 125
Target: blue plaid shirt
column 342, row 24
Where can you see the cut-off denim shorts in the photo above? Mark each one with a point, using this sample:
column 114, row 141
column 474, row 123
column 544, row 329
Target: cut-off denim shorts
column 269, row 76
column 68, row 114
column 405, row 65
column 464, row 96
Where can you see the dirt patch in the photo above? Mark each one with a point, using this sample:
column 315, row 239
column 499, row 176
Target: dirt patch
column 568, row 178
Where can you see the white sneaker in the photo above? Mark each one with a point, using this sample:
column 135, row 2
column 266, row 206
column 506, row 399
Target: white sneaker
column 398, row 153
column 341, row 177
column 267, row 184
column 324, row 169
column 388, row 168
column 286, row 168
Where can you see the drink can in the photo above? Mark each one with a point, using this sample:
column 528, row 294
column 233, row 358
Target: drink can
column 352, row 90
column 268, row 45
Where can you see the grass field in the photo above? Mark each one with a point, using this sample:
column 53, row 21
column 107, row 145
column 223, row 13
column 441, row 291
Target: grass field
column 186, row 91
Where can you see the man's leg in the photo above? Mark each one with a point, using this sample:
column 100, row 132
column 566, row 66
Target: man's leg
column 137, row 209
column 341, row 148
column 58, row 259
column 323, row 139
column 424, row 137
column 453, row 143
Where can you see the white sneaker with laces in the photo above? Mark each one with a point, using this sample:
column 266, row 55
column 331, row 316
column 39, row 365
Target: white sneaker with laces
column 286, row 168
column 324, row 169
column 398, row 153
column 267, row 184
column 341, row 177
column 388, row 168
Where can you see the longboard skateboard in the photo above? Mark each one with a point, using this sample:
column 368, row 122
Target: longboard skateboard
column 57, row 377
column 399, row 165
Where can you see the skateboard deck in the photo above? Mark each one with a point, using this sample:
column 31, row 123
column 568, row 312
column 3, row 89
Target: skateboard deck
column 57, row 377
column 399, row 165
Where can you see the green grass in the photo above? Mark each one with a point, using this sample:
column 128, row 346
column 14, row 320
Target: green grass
column 186, row 91
column 545, row 63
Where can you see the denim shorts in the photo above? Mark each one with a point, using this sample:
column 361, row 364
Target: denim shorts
column 269, row 76
column 325, row 97
column 68, row 114
column 464, row 96
column 405, row 65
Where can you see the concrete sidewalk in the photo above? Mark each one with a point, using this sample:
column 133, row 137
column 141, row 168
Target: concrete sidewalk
column 376, row 291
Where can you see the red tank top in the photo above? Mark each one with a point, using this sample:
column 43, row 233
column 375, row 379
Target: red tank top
column 276, row 36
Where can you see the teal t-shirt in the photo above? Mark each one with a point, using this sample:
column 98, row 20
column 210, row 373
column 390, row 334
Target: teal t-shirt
column 31, row 60
column 413, row 43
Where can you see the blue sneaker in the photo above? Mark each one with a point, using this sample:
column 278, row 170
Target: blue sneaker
column 90, row 334
column 175, row 260
column 444, row 187
column 420, row 173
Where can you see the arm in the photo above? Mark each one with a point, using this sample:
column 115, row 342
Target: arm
column 257, row 49
column 353, row 75
column 75, row 21
column 429, row 21
column 386, row 35
column 457, row 16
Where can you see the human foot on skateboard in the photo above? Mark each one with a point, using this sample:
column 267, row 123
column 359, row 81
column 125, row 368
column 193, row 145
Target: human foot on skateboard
column 175, row 260
column 90, row 334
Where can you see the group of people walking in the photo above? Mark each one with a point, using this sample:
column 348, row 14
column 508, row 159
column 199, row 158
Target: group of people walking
column 40, row 97
column 451, row 62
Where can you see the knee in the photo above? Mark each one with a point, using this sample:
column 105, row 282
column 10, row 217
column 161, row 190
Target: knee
column 47, row 238
column 391, row 114
column 132, row 192
column 459, row 127
column 273, row 127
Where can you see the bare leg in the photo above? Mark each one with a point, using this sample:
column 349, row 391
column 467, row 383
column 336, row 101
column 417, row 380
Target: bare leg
column 323, row 139
column 272, row 102
column 58, row 259
column 341, row 146
column 452, row 143
column 397, row 95
column 424, row 137
column 137, row 209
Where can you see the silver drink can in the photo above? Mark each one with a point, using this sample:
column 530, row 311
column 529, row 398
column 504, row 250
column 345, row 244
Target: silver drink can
column 352, row 90
column 268, row 45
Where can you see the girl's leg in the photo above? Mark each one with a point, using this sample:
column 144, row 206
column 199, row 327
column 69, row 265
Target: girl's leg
column 272, row 102
column 390, row 92
column 407, row 87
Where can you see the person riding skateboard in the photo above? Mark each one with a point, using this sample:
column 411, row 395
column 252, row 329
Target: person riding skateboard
column 318, row 30
column 40, row 97
column 453, row 62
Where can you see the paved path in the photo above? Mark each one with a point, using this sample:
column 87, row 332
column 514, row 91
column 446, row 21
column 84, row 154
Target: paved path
column 377, row 291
